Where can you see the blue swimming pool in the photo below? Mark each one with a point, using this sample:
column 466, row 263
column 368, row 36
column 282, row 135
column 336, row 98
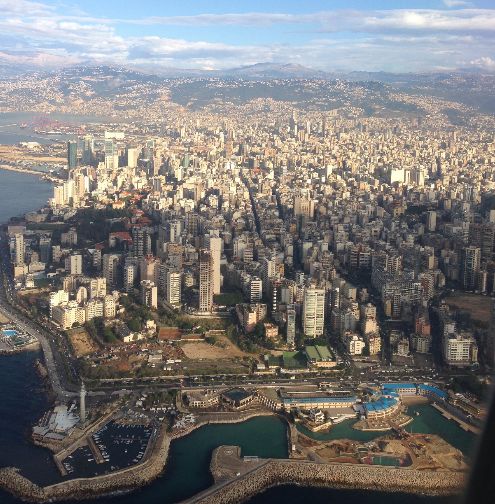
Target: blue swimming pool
column 10, row 333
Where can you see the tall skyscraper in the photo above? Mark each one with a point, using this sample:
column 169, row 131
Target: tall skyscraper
column 19, row 249
column 205, row 281
column 313, row 312
column 173, row 293
column 88, row 148
column 73, row 264
column 132, row 156
column 71, row 154
column 215, row 247
column 111, row 156
column 470, row 265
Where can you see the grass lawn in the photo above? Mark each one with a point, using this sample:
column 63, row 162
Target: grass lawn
column 228, row 298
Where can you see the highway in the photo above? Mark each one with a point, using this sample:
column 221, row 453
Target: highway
column 45, row 338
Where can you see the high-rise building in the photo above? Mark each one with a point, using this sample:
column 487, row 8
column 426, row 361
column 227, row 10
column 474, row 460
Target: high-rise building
column 432, row 221
column 19, row 249
column 255, row 290
column 174, row 229
column 482, row 235
column 71, row 154
column 215, row 247
column 130, row 275
column 460, row 349
column 173, row 293
column 110, row 269
column 149, row 294
column 88, row 148
column 141, row 242
column 73, row 264
column 111, row 156
column 268, row 272
column 470, row 265
column 205, row 281
column 45, row 249
column 304, row 205
column 131, row 157
column 313, row 312
column 290, row 327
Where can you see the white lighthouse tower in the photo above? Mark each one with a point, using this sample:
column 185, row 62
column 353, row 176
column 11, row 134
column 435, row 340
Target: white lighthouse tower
column 82, row 403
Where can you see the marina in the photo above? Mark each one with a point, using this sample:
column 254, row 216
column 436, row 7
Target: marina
column 113, row 447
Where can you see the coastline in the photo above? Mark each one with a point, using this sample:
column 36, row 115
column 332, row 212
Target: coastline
column 130, row 478
column 268, row 473
column 273, row 472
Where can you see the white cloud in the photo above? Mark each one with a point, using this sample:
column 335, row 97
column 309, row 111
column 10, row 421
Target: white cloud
column 485, row 62
column 456, row 3
column 395, row 39
column 24, row 8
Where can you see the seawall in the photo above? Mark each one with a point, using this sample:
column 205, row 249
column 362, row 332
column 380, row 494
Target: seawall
column 295, row 472
column 130, row 478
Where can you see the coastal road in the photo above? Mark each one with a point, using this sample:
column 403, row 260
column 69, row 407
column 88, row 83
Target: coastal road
column 28, row 327
column 45, row 338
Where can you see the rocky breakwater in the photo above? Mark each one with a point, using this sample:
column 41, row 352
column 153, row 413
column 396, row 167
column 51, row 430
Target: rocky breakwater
column 276, row 472
column 129, row 478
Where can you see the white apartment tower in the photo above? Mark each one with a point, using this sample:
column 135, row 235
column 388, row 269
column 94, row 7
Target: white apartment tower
column 313, row 312
column 205, row 281
column 215, row 248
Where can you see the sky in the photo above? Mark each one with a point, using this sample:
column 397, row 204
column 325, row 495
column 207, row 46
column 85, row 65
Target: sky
column 331, row 35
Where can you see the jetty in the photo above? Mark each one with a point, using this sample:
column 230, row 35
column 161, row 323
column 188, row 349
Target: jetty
column 464, row 425
column 238, row 479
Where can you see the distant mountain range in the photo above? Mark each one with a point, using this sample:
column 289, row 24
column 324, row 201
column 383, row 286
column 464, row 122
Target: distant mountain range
column 256, row 71
column 372, row 92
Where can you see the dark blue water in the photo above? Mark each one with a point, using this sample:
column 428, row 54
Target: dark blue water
column 23, row 401
column 21, row 193
column 289, row 494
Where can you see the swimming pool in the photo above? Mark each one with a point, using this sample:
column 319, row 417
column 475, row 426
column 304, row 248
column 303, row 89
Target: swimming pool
column 11, row 333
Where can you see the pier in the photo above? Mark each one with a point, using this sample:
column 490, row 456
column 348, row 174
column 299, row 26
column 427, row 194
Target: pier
column 464, row 425
column 252, row 477
column 29, row 171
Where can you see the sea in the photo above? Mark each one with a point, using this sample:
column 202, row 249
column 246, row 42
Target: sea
column 23, row 400
column 21, row 193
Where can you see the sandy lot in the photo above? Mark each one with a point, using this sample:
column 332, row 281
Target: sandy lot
column 3, row 320
column 223, row 349
column 82, row 343
column 479, row 307
column 10, row 152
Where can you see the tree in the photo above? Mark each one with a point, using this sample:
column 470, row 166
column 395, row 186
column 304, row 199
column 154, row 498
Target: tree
column 109, row 335
column 135, row 324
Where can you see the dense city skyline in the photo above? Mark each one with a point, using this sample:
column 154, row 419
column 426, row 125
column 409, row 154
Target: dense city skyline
column 247, row 249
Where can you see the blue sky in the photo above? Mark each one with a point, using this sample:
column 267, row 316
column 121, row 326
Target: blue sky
column 338, row 35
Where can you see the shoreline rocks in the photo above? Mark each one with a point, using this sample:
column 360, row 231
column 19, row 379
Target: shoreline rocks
column 280, row 472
